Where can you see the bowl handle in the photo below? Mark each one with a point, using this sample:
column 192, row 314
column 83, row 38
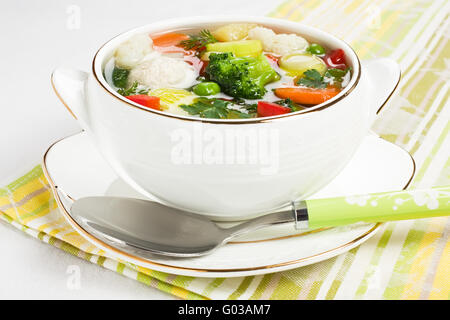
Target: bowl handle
column 384, row 76
column 69, row 86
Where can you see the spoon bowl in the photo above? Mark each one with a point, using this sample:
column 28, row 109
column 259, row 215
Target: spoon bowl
column 149, row 225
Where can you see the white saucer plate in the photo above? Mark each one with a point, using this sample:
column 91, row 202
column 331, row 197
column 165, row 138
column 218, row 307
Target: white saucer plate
column 75, row 169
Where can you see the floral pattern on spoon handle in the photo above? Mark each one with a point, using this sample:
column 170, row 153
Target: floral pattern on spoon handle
column 379, row 207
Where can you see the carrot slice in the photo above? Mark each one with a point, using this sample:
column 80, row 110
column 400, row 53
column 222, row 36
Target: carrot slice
column 309, row 96
column 169, row 39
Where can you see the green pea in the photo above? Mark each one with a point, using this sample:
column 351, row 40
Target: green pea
column 315, row 48
column 206, row 89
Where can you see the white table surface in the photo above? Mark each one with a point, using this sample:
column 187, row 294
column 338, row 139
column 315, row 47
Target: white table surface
column 36, row 37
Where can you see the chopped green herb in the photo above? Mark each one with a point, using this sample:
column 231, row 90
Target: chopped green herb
column 337, row 74
column 213, row 108
column 250, row 107
column 199, row 41
column 133, row 90
column 290, row 104
column 313, row 79
column 236, row 114
column 120, row 77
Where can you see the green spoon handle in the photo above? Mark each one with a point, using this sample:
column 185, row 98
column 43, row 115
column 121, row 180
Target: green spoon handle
column 379, row 207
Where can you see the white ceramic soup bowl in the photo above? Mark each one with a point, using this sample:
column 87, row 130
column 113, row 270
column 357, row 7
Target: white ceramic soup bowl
column 227, row 169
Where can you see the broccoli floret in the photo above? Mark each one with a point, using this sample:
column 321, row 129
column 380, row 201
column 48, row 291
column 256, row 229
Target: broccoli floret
column 241, row 77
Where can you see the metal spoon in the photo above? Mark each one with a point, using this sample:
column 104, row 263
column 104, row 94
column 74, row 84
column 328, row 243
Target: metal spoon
column 159, row 229
column 149, row 227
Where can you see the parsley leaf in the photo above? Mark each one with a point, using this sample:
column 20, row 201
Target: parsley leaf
column 120, row 77
column 337, row 74
column 213, row 108
column 312, row 79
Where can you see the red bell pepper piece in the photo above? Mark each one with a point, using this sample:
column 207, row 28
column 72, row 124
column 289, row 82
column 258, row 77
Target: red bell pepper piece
column 267, row 109
column 146, row 101
column 336, row 59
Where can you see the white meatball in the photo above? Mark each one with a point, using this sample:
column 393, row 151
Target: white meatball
column 131, row 52
column 163, row 72
column 288, row 43
column 264, row 34
column 280, row 44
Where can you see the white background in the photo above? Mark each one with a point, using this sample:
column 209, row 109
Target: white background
column 35, row 39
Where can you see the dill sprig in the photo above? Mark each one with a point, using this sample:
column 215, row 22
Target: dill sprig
column 199, row 41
